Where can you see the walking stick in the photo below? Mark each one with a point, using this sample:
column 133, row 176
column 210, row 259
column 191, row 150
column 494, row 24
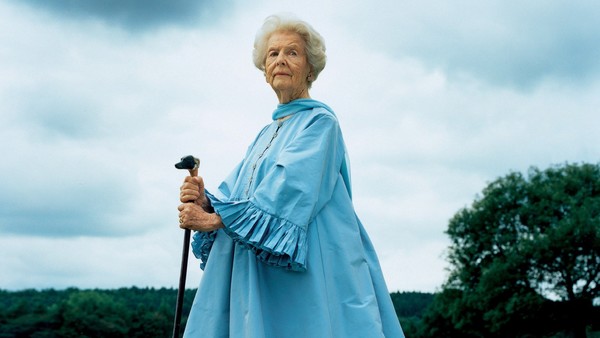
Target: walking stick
column 190, row 163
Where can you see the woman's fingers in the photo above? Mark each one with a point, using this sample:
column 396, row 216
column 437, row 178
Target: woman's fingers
column 191, row 189
column 192, row 217
column 188, row 195
column 200, row 182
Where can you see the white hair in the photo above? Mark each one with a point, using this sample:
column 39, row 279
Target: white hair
column 315, row 45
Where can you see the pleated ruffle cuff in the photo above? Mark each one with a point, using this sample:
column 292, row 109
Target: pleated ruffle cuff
column 201, row 244
column 274, row 240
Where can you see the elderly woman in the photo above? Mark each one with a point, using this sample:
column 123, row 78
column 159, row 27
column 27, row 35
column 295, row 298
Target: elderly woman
column 283, row 252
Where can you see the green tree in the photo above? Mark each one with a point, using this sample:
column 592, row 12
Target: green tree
column 410, row 307
column 94, row 314
column 525, row 258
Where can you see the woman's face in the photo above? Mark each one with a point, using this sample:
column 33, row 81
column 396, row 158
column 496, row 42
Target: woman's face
column 286, row 66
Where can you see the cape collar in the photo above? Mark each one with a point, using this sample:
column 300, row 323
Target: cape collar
column 293, row 107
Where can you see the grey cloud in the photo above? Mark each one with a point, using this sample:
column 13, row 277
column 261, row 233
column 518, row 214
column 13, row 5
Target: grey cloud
column 58, row 113
column 79, row 111
column 136, row 15
column 63, row 211
column 64, row 188
column 505, row 43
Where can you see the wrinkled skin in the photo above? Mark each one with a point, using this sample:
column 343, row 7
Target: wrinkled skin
column 196, row 215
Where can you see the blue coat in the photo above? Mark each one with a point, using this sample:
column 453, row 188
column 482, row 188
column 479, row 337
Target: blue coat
column 293, row 259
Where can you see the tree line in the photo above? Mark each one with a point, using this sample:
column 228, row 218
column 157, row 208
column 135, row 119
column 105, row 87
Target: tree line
column 124, row 312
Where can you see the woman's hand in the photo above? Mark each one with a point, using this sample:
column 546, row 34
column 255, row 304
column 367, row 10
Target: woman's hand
column 193, row 217
column 192, row 190
column 199, row 214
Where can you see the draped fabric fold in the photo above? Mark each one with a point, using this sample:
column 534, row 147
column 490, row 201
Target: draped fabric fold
column 201, row 245
column 274, row 240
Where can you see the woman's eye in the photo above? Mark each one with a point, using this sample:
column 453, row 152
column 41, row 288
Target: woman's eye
column 293, row 53
column 272, row 54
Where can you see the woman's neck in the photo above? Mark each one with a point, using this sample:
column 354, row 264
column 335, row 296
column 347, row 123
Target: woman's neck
column 289, row 96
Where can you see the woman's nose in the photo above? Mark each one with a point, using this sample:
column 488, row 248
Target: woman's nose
column 280, row 59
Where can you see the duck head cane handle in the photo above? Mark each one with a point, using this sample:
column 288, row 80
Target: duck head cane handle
column 192, row 164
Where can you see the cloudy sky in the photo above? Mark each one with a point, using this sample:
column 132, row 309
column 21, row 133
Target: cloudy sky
column 98, row 100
